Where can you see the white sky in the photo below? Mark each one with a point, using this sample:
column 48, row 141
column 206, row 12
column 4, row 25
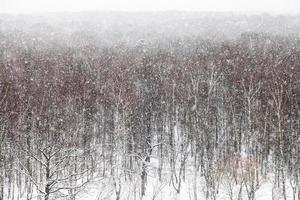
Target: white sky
column 31, row 6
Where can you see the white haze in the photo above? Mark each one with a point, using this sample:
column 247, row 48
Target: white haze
column 36, row 6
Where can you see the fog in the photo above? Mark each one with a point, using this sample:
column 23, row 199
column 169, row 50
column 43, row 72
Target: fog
column 34, row 6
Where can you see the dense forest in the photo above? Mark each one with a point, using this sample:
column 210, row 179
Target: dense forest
column 77, row 108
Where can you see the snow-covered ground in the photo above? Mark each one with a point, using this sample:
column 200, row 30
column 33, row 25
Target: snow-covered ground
column 106, row 188
column 164, row 191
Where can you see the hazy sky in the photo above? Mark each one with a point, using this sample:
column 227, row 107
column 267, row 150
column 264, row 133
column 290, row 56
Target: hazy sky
column 28, row 6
